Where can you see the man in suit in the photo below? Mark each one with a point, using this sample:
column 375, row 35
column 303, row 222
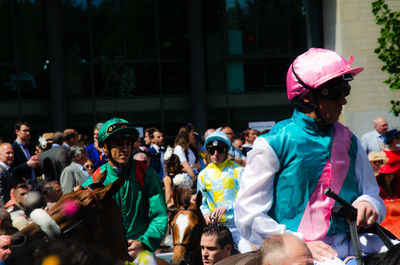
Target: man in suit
column 7, row 181
column 63, row 158
column 48, row 159
column 373, row 141
column 156, row 152
column 74, row 174
column 24, row 163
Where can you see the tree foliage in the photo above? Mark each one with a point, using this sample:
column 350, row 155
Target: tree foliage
column 389, row 46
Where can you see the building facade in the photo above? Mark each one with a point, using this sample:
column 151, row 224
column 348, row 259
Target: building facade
column 164, row 63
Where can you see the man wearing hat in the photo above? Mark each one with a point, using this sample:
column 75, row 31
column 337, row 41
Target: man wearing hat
column 141, row 197
column 288, row 169
column 219, row 183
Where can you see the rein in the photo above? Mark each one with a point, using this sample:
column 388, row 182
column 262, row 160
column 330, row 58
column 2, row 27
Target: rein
column 92, row 192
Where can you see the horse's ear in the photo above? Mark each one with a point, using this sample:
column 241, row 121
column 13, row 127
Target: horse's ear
column 199, row 198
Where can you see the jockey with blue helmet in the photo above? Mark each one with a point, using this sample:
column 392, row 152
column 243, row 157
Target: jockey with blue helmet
column 219, row 184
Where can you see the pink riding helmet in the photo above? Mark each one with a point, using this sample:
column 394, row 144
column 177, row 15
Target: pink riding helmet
column 314, row 68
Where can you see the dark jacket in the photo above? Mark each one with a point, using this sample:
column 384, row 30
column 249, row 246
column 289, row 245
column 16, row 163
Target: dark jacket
column 48, row 163
column 19, row 167
column 7, row 182
column 63, row 158
column 155, row 161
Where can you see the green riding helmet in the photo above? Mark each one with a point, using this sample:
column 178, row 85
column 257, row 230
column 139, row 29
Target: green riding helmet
column 116, row 126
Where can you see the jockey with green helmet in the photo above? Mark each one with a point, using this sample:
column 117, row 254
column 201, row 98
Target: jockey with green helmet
column 141, row 197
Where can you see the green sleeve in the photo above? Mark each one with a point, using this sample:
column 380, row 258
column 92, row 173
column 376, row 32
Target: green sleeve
column 88, row 182
column 157, row 211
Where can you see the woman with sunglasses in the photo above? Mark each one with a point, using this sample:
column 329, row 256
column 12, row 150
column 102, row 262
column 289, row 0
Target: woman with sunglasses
column 288, row 169
column 377, row 160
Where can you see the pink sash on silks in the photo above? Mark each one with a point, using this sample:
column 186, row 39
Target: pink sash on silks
column 315, row 222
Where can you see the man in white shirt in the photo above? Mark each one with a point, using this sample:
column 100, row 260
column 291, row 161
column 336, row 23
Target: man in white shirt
column 373, row 141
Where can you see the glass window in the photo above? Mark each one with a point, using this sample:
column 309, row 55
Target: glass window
column 78, row 80
column 267, row 74
column 215, row 76
column 8, row 83
column 6, row 36
column 173, row 29
column 175, row 77
column 107, row 29
column 140, row 29
column 29, row 31
column 213, row 21
column 33, row 82
column 126, row 80
column 75, row 34
column 241, row 26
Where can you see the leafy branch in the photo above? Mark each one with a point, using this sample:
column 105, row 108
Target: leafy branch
column 389, row 46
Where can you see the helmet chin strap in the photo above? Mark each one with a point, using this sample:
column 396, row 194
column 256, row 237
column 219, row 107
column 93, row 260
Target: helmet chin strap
column 314, row 106
column 321, row 122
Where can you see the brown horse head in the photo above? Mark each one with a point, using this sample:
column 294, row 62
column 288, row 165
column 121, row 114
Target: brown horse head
column 89, row 215
column 187, row 226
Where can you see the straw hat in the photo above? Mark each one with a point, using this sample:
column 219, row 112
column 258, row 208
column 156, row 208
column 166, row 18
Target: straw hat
column 376, row 156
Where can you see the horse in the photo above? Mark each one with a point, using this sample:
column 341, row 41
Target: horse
column 187, row 226
column 89, row 215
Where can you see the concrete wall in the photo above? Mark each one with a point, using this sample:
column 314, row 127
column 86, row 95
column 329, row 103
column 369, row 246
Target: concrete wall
column 350, row 29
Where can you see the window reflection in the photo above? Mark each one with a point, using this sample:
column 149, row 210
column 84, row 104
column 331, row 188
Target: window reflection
column 140, row 29
column 29, row 31
column 107, row 29
column 126, row 80
column 175, row 77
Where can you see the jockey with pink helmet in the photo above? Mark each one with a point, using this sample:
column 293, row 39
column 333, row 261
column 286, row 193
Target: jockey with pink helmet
column 289, row 168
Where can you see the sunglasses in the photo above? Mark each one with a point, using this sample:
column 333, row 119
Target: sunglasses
column 377, row 162
column 219, row 149
column 89, row 166
column 334, row 91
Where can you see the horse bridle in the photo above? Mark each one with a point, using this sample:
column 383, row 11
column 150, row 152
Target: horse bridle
column 190, row 247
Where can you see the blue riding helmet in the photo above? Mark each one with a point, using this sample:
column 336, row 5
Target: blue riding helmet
column 216, row 137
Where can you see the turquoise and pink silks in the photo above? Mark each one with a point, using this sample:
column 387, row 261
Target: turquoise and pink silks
column 313, row 161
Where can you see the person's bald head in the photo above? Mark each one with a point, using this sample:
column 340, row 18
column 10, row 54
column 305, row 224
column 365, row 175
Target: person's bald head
column 380, row 125
column 285, row 249
column 6, row 153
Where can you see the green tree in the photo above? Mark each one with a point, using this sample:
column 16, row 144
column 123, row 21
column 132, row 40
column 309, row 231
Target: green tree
column 389, row 44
